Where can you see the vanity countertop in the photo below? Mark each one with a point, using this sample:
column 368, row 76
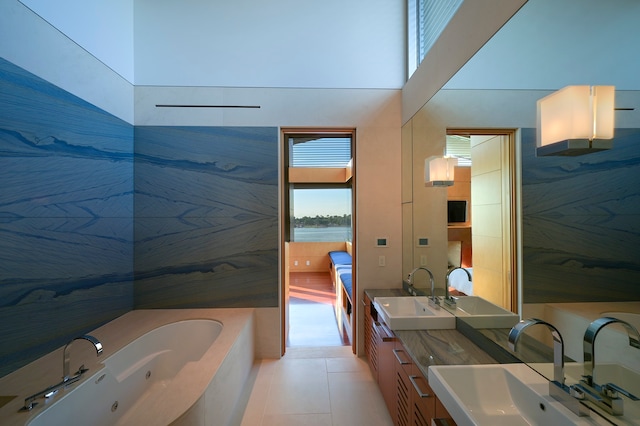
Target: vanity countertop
column 436, row 347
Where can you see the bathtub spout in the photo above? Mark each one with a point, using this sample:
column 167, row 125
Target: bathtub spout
column 66, row 358
column 29, row 402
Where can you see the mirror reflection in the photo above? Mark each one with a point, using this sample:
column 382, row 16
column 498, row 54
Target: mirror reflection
column 475, row 212
column 575, row 230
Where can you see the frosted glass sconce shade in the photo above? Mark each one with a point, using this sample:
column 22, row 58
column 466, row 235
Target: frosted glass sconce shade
column 439, row 171
column 576, row 120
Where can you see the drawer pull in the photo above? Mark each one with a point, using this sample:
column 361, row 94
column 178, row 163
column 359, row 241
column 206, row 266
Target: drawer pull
column 417, row 388
column 384, row 333
column 400, row 361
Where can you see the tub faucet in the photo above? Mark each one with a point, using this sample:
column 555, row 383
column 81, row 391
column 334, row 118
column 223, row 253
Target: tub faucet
column 557, row 389
column 433, row 300
column 605, row 396
column 29, row 402
column 448, row 300
column 66, row 358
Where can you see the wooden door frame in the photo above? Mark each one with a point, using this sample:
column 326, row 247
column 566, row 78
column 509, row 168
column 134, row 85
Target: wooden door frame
column 285, row 210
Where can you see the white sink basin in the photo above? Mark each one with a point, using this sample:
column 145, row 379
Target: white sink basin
column 499, row 394
column 412, row 313
column 481, row 313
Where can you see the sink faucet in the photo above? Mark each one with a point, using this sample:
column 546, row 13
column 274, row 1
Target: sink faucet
column 433, row 300
column 29, row 402
column 557, row 389
column 448, row 300
column 605, row 396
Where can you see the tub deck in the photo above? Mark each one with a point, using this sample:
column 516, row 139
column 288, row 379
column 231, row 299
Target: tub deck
column 191, row 387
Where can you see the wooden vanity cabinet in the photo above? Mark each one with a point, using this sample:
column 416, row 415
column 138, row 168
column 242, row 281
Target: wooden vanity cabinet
column 370, row 349
column 403, row 412
column 406, row 391
column 379, row 343
column 416, row 403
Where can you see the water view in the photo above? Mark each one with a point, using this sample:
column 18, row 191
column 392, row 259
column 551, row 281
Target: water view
column 333, row 233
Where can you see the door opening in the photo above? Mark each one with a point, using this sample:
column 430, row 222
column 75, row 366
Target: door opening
column 317, row 219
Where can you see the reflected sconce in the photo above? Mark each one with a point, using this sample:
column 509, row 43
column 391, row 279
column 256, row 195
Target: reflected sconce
column 576, row 120
column 439, row 171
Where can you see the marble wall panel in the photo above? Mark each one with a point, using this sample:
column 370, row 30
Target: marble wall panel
column 581, row 223
column 66, row 217
column 206, row 217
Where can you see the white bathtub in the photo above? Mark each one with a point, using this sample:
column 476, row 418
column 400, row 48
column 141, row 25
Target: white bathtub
column 141, row 370
column 181, row 371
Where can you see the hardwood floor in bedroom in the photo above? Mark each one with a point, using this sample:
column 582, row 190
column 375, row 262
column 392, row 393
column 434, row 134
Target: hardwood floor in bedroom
column 312, row 321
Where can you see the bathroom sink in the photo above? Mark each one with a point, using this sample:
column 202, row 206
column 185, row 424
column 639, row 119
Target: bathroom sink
column 412, row 313
column 480, row 313
column 499, row 394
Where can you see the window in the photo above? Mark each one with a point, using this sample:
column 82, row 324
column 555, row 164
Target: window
column 320, row 151
column 427, row 19
column 322, row 214
column 459, row 146
column 320, row 195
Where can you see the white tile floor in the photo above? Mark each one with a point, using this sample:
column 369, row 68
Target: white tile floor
column 323, row 386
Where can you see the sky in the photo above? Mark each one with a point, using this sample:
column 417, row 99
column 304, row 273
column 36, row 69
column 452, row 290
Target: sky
column 321, row 202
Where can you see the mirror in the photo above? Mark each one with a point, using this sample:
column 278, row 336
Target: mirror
column 578, row 230
column 480, row 196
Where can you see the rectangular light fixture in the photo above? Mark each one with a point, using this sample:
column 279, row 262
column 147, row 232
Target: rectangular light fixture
column 439, row 171
column 575, row 120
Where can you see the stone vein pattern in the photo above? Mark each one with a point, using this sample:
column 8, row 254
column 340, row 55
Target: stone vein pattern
column 206, row 223
column 581, row 216
column 198, row 228
column 66, row 216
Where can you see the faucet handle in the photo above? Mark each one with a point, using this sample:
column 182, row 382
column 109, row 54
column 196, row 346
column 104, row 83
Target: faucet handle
column 612, row 390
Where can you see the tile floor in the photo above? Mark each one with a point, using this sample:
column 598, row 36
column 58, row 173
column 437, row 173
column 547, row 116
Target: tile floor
column 319, row 381
column 321, row 386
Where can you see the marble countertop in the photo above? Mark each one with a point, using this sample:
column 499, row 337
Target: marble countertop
column 436, row 347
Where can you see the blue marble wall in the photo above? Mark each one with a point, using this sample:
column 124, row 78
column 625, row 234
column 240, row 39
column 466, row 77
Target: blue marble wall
column 66, row 217
column 78, row 248
column 206, row 217
column 581, row 223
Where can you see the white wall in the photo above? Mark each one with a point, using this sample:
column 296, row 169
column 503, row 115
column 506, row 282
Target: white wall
column 278, row 43
column 103, row 28
column 550, row 44
column 473, row 24
column 32, row 43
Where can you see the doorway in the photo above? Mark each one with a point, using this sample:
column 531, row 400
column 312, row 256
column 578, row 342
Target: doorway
column 318, row 211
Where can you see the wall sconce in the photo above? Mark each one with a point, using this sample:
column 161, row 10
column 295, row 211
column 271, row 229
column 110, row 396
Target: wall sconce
column 439, row 171
column 576, row 120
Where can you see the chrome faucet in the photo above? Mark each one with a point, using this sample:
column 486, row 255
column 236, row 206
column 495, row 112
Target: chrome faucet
column 605, row 396
column 66, row 358
column 557, row 389
column 448, row 300
column 29, row 402
column 433, row 300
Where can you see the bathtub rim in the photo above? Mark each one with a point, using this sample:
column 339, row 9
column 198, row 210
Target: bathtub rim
column 115, row 335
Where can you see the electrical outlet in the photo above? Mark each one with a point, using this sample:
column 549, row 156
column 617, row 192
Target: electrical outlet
column 423, row 260
column 381, row 260
column 308, row 262
column 295, row 263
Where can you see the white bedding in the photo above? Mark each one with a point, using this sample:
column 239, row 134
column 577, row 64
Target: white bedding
column 459, row 280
